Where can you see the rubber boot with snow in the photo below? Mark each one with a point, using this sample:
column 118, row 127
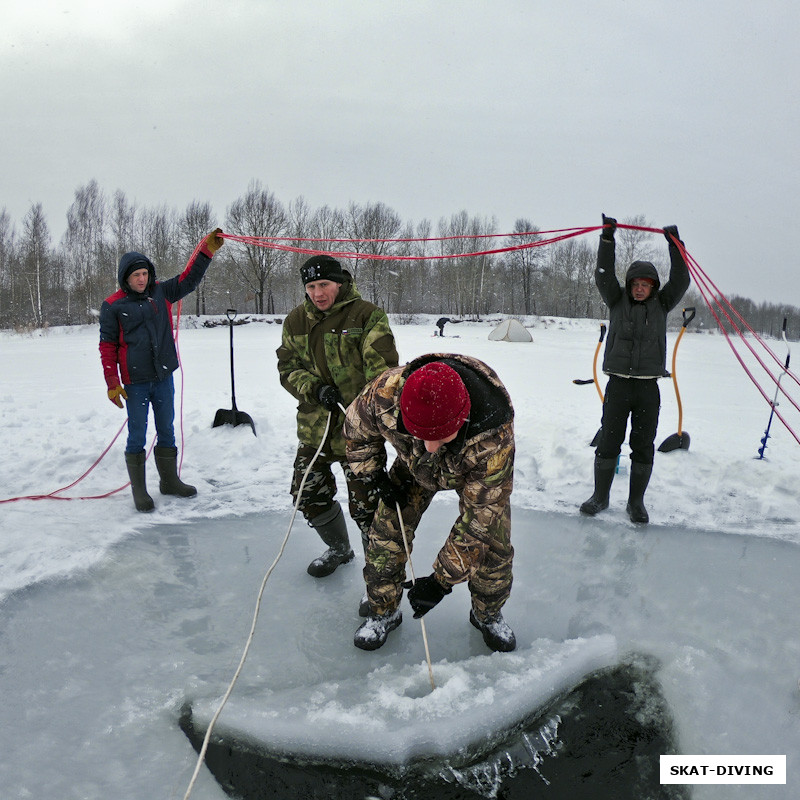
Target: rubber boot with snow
column 167, row 465
column 604, row 469
column 332, row 529
column 496, row 632
column 136, row 472
column 375, row 628
column 640, row 477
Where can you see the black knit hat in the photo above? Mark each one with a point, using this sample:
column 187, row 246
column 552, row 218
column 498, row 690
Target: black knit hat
column 322, row 268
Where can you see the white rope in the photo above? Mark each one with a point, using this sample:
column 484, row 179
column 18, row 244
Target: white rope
column 207, row 738
column 414, row 580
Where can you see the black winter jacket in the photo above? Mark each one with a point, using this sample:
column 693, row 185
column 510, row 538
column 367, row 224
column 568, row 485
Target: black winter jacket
column 136, row 343
column 637, row 331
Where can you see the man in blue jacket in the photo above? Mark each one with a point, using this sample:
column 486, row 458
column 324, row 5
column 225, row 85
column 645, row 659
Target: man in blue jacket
column 635, row 358
column 137, row 351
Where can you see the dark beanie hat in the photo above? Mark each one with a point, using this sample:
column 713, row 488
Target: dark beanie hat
column 322, row 268
column 434, row 402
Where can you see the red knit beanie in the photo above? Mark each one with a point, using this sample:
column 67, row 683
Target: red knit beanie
column 434, row 402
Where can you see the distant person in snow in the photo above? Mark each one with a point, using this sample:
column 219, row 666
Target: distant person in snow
column 138, row 355
column 450, row 421
column 635, row 358
column 442, row 321
column 332, row 345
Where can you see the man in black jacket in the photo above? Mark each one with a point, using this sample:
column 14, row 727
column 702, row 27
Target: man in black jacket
column 635, row 358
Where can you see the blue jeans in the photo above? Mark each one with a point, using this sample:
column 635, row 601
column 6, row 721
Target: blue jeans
column 159, row 394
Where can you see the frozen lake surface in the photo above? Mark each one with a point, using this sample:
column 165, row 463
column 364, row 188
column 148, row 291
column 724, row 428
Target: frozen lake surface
column 95, row 667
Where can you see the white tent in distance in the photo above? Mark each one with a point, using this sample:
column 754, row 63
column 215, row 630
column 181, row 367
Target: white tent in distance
column 511, row 330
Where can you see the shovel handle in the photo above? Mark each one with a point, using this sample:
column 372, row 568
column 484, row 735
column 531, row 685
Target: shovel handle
column 231, row 314
column 691, row 316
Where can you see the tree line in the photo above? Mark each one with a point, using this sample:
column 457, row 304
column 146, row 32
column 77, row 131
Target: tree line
column 43, row 283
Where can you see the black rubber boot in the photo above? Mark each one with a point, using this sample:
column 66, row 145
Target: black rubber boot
column 496, row 632
column 332, row 529
column 372, row 633
column 135, row 464
column 640, row 477
column 167, row 465
column 604, row 469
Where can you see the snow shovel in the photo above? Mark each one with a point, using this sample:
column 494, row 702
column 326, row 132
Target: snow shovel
column 234, row 416
column 594, row 380
column 679, row 440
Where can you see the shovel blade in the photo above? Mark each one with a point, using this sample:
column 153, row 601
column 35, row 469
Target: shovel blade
column 233, row 417
column 596, row 439
column 678, row 441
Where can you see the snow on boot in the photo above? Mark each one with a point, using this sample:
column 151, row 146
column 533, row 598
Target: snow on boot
column 363, row 607
column 167, row 465
column 332, row 529
column 604, row 469
column 496, row 632
column 135, row 464
column 375, row 628
column 640, row 477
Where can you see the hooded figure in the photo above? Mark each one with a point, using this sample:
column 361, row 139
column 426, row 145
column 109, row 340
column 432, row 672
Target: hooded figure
column 635, row 357
column 137, row 352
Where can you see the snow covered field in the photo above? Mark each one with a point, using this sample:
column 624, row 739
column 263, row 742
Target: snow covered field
column 55, row 421
column 722, row 623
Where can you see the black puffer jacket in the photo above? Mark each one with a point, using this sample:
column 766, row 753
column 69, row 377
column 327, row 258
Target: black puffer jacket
column 637, row 331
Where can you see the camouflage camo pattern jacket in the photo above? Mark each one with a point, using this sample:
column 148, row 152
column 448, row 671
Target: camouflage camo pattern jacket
column 479, row 466
column 346, row 347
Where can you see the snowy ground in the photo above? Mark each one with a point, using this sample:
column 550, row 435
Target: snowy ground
column 734, row 517
column 56, row 421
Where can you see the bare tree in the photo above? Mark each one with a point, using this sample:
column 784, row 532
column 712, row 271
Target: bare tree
column 122, row 224
column 36, row 257
column 7, row 276
column 196, row 223
column 86, row 253
column 257, row 214
column 370, row 227
column 524, row 264
column 157, row 232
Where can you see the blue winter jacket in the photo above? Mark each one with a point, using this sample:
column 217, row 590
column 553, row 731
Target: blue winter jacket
column 136, row 341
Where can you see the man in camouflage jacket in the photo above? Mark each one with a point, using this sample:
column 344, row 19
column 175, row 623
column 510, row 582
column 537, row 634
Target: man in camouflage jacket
column 451, row 423
column 332, row 345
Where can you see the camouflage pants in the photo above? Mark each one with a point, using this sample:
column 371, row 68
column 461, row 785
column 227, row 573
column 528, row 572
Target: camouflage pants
column 384, row 571
column 319, row 489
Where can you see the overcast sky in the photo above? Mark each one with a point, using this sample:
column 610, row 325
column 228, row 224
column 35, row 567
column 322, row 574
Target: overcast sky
column 685, row 112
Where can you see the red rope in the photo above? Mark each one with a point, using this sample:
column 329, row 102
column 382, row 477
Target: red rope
column 274, row 243
column 704, row 283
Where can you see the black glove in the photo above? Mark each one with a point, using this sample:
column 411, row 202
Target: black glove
column 388, row 490
column 669, row 231
column 329, row 397
column 424, row 594
column 609, row 227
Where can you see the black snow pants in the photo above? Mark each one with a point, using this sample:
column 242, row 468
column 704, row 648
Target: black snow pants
column 641, row 399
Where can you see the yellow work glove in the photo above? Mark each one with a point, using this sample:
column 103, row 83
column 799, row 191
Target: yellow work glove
column 214, row 241
column 116, row 394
